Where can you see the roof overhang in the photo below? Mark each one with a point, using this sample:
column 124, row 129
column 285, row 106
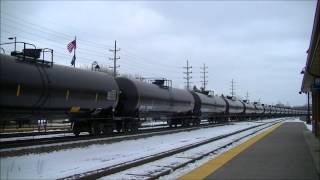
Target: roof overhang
column 312, row 68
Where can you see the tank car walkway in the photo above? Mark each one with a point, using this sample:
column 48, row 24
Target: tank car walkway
column 282, row 154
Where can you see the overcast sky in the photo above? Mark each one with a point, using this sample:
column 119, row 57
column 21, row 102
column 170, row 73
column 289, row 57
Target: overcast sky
column 260, row 44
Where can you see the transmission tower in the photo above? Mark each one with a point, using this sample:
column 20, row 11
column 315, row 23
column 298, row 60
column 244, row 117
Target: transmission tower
column 114, row 59
column 188, row 73
column 204, row 72
column 233, row 93
column 247, row 96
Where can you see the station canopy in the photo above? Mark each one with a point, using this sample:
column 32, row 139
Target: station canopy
column 312, row 68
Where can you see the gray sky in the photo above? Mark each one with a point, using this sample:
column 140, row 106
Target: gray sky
column 260, row 44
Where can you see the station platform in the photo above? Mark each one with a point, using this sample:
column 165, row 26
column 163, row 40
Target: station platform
column 286, row 151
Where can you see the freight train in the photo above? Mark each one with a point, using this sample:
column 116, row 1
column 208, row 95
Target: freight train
column 95, row 102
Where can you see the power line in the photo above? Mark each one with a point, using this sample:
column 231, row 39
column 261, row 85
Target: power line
column 86, row 57
column 188, row 73
column 43, row 28
column 25, row 28
column 135, row 61
column 148, row 60
column 54, row 36
column 53, row 42
column 204, row 72
column 115, row 58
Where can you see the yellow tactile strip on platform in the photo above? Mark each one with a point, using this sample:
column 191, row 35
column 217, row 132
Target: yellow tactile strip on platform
column 211, row 166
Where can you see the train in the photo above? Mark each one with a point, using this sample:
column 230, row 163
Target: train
column 95, row 102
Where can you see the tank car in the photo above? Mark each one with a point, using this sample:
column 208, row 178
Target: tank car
column 273, row 111
column 235, row 108
column 259, row 109
column 268, row 110
column 32, row 88
column 250, row 110
column 155, row 100
column 209, row 107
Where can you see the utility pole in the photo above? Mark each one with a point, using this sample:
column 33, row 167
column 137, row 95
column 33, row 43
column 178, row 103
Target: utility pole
column 204, row 72
column 233, row 93
column 114, row 59
column 247, row 96
column 188, row 72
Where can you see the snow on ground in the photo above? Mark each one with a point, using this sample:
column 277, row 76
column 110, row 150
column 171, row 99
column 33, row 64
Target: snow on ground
column 166, row 164
column 67, row 162
column 295, row 119
column 309, row 126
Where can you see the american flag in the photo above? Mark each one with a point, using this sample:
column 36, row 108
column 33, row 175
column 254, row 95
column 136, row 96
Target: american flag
column 72, row 45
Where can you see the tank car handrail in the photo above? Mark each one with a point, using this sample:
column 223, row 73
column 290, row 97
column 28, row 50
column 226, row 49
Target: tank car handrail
column 17, row 53
column 19, row 42
column 44, row 50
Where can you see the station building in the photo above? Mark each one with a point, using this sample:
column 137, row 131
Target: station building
column 311, row 78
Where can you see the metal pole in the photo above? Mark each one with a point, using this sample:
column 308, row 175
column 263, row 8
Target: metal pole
column 74, row 52
column 188, row 75
column 308, row 113
column 115, row 60
column 15, row 43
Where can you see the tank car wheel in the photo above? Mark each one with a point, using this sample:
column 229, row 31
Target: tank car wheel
column 107, row 130
column 95, row 129
column 210, row 120
column 134, row 127
column 118, row 126
column 198, row 121
column 127, row 126
column 76, row 132
column 186, row 122
column 76, row 129
column 169, row 122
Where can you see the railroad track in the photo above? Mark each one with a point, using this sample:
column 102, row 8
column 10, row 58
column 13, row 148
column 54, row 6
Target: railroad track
column 31, row 139
column 39, row 138
column 30, row 134
column 58, row 131
column 155, row 171
column 21, row 147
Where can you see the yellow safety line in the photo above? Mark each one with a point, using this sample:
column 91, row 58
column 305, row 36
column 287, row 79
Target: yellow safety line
column 18, row 90
column 213, row 165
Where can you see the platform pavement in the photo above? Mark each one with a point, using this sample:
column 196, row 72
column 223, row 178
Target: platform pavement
column 282, row 154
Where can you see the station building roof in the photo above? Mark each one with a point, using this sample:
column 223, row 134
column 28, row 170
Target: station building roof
column 312, row 68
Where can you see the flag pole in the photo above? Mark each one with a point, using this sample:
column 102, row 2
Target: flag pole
column 74, row 52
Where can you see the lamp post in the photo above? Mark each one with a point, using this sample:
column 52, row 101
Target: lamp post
column 308, row 120
column 15, row 42
column 308, row 113
column 95, row 66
